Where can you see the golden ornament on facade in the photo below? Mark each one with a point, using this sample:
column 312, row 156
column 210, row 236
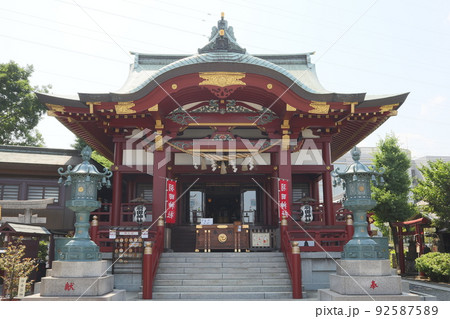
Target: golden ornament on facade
column 290, row 108
column 388, row 107
column 80, row 189
column 55, row 107
column 174, row 86
column 269, row 86
column 222, row 238
column 125, row 108
column 319, row 107
column 222, row 79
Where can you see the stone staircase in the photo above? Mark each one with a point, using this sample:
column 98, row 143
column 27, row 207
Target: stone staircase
column 128, row 275
column 222, row 276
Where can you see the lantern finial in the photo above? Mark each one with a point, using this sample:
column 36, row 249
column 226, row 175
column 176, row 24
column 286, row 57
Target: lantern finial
column 86, row 153
column 356, row 154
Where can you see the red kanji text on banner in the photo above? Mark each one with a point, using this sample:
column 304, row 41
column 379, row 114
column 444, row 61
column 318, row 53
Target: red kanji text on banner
column 171, row 201
column 283, row 198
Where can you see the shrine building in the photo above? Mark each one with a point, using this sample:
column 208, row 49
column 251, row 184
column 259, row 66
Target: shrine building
column 223, row 140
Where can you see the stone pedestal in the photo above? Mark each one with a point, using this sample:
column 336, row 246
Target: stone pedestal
column 78, row 280
column 365, row 280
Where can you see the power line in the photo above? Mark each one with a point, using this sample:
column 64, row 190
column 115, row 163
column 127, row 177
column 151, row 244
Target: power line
column 80, row 27
column 60, row 48
column 135, row 19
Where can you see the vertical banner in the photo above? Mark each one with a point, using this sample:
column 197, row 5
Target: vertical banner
column 171, row 198
column 283, row 198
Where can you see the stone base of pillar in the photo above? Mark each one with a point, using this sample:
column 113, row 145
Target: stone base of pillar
column 365, row 280
column 329, row 295
column 79, row 280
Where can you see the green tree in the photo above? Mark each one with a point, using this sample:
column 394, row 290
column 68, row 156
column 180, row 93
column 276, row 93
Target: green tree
column 80, row 144
column 392, row 196
column 20, row 110
column 435, row 190
column 15, row 266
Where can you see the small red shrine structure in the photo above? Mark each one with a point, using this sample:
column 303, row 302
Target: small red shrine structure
column 229, row 127
column 413, row 228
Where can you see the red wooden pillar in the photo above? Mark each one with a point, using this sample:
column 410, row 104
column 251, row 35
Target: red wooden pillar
column 116, row 199
column 283, row 232
column 147, row 273
column 273, row 199
column 315, row 190
column 419, row 232
column 296, row 272
column 284, row 172
column 268, row 216
column 420, row 239
column 401, row 252
column 93, row 230
column 159, row 184
column 327, row 186
column 117, row 183
column 349, row 227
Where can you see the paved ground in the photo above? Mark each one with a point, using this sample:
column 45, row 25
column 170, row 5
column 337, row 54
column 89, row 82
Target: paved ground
column 440, row 290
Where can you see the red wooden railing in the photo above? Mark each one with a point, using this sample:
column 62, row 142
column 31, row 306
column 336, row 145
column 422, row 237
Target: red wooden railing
column 293, row 262
column 126, row 214
column 319, row 215
column 150, row 260
column 152, row 251
column 329, row 238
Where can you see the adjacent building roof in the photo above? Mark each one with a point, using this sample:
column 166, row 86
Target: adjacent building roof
column 24, row 229
column 38, row 159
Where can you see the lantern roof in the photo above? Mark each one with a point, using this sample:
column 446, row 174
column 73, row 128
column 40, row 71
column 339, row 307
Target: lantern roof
column 357, row 167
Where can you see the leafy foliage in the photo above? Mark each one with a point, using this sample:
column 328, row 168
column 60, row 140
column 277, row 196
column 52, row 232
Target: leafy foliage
column 80, row 144
column 435, row 190
column 15, row 266
column 392, row 196
column 20, row 110
column 43, row 250
column 435, row 265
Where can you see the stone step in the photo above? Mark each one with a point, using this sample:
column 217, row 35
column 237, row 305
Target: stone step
column 225, row 255
column 279, row 275
column 219, row 259
column 222, row 295
column 127, row 271
column 222, row 276
column 223, row 264
column 280, row 288
column 221, row 282
column 219, row 270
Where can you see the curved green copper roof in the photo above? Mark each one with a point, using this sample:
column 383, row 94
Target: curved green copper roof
column 307, row 72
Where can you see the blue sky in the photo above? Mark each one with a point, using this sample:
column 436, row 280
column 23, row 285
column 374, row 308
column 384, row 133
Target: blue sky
column 378, row 47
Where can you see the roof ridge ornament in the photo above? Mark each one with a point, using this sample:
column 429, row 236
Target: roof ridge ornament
column 222, row 39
